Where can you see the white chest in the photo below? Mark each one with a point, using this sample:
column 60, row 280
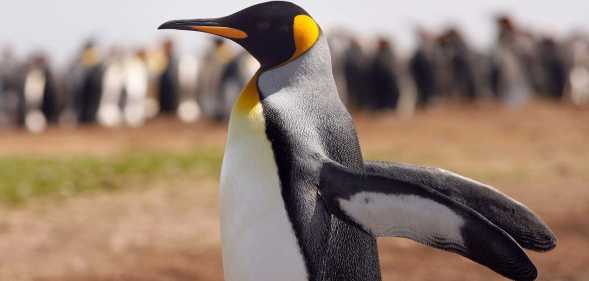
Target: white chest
column 258, row 239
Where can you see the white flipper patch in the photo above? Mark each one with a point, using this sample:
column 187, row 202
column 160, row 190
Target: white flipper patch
column 404, row 216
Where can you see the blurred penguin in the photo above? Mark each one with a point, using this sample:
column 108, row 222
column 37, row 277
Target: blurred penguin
column 211, row 99
column 422, row 68
column 136, row 88
column 168, row 80
column 384, row 78
column 509, row 80
column 113, row 89
column 125, row 86
column 40, row 104
column 579, row 78
column 460, row 72
column 86, row 74
column 554, row 68
column 188, row 70
column 355, row 71
column 11, row 76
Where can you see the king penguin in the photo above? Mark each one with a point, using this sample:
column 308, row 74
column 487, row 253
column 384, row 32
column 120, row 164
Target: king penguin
column 299, row 202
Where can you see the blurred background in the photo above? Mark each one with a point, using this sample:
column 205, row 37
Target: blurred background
column 112, row 133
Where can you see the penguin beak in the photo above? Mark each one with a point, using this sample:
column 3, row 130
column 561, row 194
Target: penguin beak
column 212, row 26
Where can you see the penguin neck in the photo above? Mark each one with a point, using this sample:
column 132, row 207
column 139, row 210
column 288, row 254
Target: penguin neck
column 312, row 67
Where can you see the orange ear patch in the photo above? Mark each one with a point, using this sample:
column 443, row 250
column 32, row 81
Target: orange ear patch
column 306, row 33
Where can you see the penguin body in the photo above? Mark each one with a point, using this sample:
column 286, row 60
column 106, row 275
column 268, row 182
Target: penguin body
column 298, row 202
column 258, row 238
column 267, row 190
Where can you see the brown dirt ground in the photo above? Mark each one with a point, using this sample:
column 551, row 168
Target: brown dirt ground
column 538, row 154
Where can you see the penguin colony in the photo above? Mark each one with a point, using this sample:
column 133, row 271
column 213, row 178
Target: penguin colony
column 298, row 201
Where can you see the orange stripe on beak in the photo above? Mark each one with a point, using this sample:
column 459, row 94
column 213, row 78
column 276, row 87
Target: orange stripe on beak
column 228, row 32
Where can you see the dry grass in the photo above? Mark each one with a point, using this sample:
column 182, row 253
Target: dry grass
column 167, row 228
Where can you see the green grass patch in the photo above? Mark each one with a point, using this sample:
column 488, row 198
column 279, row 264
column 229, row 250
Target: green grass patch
column 26, row 177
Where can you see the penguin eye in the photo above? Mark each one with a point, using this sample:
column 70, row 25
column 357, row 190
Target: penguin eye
column 264, row 25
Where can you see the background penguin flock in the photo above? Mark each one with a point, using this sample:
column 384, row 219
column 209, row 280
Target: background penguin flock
column 299, row 202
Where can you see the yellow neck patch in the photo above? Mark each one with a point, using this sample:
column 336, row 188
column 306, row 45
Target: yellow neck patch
column 306, row 33
column 248, row 104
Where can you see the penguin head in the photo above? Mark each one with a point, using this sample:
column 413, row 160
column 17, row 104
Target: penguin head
column 273, row 32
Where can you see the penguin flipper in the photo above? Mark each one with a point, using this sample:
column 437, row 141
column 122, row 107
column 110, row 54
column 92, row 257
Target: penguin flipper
column 511, row 216
column 384, row 206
